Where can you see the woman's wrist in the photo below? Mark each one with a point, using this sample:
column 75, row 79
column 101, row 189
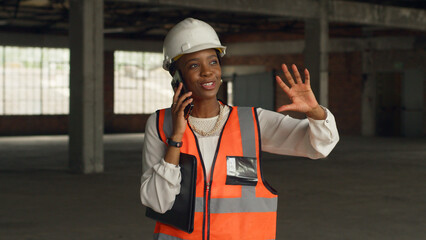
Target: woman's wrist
column 176, row 137
column 317, row 113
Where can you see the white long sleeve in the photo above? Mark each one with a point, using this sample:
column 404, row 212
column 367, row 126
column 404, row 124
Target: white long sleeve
column 280, row 134
column 160, row 181
column 285, row 135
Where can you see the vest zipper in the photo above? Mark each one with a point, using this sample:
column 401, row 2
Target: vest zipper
column 207, row 211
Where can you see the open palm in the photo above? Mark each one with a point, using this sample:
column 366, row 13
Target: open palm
column 300, row 93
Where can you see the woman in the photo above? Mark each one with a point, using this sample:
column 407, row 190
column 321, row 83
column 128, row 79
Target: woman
column 233, row 201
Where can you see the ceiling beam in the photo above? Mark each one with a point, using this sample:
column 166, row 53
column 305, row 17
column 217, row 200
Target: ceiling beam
column 281, row 8
column 378, row 15
column 339, row 11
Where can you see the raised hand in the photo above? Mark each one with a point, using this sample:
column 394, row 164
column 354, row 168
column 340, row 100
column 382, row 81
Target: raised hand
column 300, row 93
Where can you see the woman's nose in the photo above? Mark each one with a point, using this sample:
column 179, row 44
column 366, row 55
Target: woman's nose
column 206, row 70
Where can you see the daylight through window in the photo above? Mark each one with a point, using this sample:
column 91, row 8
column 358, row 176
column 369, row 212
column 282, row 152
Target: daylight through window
column 141, row 85
column 34, row 81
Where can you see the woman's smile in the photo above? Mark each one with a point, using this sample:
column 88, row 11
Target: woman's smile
column 209, row 85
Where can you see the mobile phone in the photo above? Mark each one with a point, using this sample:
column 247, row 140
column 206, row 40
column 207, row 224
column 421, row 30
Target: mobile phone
column 177, row 78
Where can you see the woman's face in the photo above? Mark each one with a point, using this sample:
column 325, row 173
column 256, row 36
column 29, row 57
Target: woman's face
column 202, row 73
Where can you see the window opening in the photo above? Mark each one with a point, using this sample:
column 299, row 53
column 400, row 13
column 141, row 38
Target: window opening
column 34, row 81
column 141, row 85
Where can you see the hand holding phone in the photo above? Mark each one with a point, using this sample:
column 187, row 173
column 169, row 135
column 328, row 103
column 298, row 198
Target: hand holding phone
column 177, row 79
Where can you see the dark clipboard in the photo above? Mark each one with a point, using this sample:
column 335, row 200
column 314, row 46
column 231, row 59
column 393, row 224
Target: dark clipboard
column 181, row 215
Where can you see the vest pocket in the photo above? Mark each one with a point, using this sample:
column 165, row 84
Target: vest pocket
column 241, row 171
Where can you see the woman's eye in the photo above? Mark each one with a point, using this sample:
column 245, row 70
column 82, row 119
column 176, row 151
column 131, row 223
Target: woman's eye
column 213, row 62
column 193, row 65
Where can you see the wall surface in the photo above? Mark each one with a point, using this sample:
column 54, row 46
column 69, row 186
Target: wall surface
column 347, row 69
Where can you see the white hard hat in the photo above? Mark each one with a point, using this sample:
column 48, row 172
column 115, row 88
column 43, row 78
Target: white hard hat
column 188, row 36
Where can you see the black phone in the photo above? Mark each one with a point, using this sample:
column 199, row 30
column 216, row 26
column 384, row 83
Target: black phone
column 177, row 78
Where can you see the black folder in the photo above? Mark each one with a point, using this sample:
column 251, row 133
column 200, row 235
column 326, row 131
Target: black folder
column 181, row 215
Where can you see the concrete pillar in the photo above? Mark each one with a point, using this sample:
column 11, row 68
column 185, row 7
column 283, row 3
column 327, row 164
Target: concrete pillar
column 108, row 90
column 86, row 86
column 316, row 52
column 369, row 105
column 412, row 103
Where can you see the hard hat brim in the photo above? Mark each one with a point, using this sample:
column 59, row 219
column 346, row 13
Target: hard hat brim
column 205, row 46
column 222, row 50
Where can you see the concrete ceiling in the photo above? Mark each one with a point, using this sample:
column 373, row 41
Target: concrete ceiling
column 150, row 20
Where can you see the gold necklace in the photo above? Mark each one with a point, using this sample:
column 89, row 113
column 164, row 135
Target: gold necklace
column 214, row 129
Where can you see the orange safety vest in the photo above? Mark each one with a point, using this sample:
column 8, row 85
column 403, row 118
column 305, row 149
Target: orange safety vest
column 235, row 203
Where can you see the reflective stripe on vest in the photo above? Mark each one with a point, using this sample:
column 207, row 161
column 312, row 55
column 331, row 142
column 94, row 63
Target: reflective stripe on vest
column 162, row 236
column 244, row 202
column 247, row 203
column 247, row 136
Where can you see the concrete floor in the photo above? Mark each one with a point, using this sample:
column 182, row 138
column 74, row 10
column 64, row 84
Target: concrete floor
column 368, row 188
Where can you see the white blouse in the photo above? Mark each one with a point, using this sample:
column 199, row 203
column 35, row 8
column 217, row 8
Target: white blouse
column 280, row 134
